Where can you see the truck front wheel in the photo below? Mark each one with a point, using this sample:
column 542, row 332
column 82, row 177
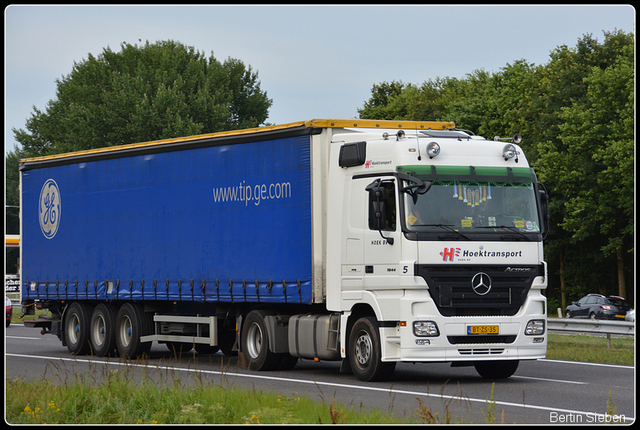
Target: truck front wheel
column 365, row 354
column 255, row 343
column 76, row 328
column 132, row 323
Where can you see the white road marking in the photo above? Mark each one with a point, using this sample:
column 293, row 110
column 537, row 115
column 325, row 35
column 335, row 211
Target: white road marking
column 550, row 380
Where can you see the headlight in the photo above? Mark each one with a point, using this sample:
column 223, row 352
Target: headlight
column 425, row 329
column 534, row 327
column 509, row 151
column 433, row 149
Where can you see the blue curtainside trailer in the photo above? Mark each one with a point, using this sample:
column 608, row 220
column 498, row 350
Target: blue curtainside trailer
column 221, row 223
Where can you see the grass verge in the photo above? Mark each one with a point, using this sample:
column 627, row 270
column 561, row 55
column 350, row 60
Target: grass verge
column 110, row 396
column 591, row 349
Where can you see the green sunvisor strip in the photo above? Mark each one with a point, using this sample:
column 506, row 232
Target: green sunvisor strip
column 471, row 173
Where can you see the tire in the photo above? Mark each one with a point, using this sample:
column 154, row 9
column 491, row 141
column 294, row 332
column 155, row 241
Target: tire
column 365, row 355
column 255, row 343
column 132, row 323
column 77, row 321
column 103, row 330
column 496, row 369
column 592, row 316
column 287, row 362
column 567, row 314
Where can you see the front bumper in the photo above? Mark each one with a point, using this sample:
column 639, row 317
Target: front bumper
column 454, row 343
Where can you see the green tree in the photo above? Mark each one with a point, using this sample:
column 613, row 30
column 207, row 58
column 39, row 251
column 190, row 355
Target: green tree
column 143, row 93
column 599, row 135
column 586, row 157
column 384, row 103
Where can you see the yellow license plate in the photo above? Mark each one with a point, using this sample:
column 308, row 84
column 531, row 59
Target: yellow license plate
column 482, row 329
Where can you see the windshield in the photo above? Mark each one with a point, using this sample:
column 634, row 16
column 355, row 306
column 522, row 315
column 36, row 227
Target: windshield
column 475, row 202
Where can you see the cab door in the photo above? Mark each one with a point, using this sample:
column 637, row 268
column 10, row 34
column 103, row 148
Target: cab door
column 382, row 233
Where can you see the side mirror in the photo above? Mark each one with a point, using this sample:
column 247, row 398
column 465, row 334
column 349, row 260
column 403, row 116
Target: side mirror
column 418, row 186
column 377, row 190
column 543, row 198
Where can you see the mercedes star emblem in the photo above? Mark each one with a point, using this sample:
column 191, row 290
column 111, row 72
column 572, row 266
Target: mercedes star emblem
column 481, row 283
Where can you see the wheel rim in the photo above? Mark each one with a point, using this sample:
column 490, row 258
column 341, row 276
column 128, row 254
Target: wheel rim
column 99, row 330
column 73, row 329
column 254, row 341
column 125, row 331
column 363, row 349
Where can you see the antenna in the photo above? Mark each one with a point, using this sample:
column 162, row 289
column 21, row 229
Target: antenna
column 418, row 143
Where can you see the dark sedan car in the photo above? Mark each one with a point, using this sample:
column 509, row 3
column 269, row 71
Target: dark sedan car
column 598, row 307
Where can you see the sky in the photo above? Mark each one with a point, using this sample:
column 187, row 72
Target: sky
column 313, row 61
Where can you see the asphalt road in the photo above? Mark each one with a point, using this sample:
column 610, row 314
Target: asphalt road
column 540, row 392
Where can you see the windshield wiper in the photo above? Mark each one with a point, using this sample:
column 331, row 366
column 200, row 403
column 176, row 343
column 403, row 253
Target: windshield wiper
column 447, row 227
column 509, row 228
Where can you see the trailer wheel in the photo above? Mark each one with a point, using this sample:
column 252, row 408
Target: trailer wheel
column 496, row 369
column 132, row 323
column 365, row 354
column 76, row 328
column 103, row 330
column 255, row 343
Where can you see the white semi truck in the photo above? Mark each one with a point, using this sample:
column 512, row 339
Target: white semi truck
column 370, row 242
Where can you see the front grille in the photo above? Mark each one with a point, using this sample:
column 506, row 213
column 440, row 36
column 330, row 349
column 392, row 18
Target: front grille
column 450, row 287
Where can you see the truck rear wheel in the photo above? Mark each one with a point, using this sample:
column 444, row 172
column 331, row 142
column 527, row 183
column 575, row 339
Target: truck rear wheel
column 77, row 321
column 365, row 355
column 255, row 343
column 103, row 330
column 496, row 369
column 132, row 323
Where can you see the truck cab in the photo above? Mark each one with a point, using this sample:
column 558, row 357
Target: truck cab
column 440, row 237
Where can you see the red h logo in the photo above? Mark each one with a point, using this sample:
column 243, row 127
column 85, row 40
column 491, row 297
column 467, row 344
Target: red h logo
column 447, row 254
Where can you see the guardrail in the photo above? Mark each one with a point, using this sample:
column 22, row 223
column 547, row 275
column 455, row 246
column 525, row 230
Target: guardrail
column 595, row 327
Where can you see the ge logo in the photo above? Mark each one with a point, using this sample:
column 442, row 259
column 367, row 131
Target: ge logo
column 49, row 209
